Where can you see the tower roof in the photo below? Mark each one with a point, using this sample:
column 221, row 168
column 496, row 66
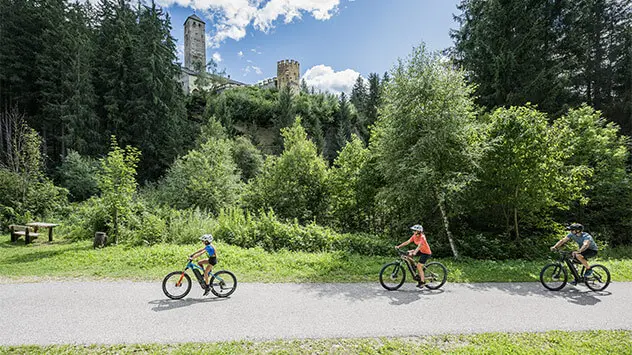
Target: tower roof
column 194, row 17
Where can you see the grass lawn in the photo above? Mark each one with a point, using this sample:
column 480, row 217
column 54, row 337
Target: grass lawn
column 61, row 259
column 554, row 342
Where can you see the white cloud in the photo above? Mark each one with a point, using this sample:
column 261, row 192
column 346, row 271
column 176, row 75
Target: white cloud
column 250, row 68
column 217, row 57
column 232, row 17
column 240, row 54
column 324, row 78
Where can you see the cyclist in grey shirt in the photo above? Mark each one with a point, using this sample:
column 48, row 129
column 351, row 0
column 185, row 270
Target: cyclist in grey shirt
column 587, row 246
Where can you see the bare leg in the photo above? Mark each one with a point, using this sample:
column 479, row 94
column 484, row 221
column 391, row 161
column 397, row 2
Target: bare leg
column 201, row 263
column 582, row 260
column 420, row 270
column 209, row 267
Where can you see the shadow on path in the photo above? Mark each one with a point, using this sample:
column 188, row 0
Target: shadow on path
column 408, row 293
column 168, row 304
column 579, row 295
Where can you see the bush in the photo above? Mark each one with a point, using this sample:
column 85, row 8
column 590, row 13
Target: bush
column 85, row 219
column 21, row 202
column 78, row 174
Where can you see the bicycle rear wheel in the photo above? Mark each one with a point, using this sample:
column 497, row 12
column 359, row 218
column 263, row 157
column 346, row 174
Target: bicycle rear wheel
column 600, row 278
column 176, row 285
column 392, row 276
column 553, row 277
column 435, row 275
column 223, row 283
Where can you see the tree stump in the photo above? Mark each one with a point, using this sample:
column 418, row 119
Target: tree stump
column 100, row 239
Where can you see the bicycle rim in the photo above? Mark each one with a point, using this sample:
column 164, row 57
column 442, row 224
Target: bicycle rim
column 435, row 275
column 176, row 285
column 223, row 283
column 392, row 276
column 600, row 278
column 553, row 277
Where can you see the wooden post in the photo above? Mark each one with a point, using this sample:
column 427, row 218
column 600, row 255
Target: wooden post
column 100, row 239
column 14, row 238
column 27, row 238
column 50, row 234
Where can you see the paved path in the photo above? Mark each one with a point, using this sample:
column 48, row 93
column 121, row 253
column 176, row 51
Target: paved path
column 134, row 312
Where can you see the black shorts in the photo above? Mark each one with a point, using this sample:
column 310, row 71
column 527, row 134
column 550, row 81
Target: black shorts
column 212, row 260
column 423, row 257
column 588, row 253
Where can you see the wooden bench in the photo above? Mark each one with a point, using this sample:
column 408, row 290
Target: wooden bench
column 17, row 231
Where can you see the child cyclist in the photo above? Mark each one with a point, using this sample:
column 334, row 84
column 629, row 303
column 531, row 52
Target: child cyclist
column 422, row 250
column 207, row 239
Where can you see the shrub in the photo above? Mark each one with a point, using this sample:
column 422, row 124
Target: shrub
column 78, row 174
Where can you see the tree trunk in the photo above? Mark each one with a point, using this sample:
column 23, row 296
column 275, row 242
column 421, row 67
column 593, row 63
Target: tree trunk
column 446, row 225
column 516, row 217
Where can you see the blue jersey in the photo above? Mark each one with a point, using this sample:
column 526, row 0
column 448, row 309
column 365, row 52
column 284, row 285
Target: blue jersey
column 580, row 239
column 210, row 250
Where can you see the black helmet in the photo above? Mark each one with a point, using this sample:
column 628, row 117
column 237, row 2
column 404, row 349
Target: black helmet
column 575, row 227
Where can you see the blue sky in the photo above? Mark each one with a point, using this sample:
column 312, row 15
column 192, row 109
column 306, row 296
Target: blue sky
column 334, row 40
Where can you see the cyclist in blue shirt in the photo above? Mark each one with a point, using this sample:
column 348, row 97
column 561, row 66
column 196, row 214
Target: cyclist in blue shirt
column 587, row 246
column 207, row 239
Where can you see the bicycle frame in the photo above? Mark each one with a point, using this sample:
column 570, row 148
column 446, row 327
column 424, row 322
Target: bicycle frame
column 567, row 258
column 199, row 274
column 410, row 263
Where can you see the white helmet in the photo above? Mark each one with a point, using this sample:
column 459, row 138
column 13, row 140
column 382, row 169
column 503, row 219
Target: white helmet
column 417, row 227
column 207, row 238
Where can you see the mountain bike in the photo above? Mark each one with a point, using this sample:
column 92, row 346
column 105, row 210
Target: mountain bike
column 177, row 284
column 554, row 276
column 393, row 275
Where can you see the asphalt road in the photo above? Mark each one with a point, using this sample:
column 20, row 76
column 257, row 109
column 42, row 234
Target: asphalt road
column 137, row 312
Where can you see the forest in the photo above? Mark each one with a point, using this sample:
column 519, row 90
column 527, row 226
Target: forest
column 494, row 145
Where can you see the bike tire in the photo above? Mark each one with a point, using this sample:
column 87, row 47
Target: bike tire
column 550, row 277
column 437, row 273
column 392, row 271
column 225, row 285
column 170, row 287
column 599, row 280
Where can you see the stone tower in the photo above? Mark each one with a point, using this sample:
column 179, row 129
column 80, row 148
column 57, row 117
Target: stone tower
column 288, row 75
column 194, row 42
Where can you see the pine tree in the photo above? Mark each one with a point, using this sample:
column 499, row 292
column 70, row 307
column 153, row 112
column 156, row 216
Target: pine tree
column 374, row 99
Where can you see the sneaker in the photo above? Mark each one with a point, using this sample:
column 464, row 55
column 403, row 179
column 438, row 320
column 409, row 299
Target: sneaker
column 416, row 278
column 574, row 282
column 588, row 273
column 420, row 284
column 208, row 289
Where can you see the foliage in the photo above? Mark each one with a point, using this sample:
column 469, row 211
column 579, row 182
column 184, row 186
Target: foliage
column 348, row 210
column 426, row 140
column 78, row 174
column 593, row 144
column 25, row 192
column 206, row 178
column 117, row 182
column 555, row 54
column 248, row 158
column 523, row 178
column 293, row 185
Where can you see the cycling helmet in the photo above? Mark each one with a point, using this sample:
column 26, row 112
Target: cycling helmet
column 417, row 227
column 206, row 238
column 575, row 227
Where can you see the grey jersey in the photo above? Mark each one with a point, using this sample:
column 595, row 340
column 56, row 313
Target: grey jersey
column 579, row 239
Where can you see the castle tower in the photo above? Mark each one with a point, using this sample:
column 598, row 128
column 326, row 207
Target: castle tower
column 194, row 42
column 288, row 75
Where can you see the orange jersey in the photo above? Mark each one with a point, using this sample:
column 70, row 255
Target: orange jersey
column 421, row 240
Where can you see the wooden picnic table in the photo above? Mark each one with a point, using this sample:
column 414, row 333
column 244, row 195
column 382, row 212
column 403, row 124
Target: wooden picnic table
column 50, row 226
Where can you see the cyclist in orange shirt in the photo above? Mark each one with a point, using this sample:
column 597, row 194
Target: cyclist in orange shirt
column 422, row 250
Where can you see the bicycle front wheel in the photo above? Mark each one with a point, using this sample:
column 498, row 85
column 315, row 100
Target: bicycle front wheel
column 553, row 277
column 600, row 278
column 392, row 276
column 176, row 285
column 223, row 283
column 435, row 275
